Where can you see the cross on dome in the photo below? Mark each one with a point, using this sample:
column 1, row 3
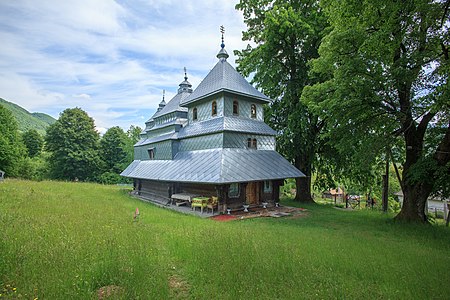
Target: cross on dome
column 222, row 55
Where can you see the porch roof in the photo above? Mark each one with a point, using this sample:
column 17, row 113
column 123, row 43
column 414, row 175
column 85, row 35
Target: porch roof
column 215, row 166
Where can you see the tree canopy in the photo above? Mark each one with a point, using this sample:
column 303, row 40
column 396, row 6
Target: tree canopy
column 113, row 150
column 11, row 147
column 33, row 142
column 73, row 143
column 386, row 66
column 286, row 35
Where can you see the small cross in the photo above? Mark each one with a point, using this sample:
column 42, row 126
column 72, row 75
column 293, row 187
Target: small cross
column 185, row 74
column 222, row 30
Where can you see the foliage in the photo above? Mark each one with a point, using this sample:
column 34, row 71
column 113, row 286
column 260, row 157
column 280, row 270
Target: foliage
column 73, row 145
column 133, row 133
column 33, row 142
column 287, row 35
column 66, row 240
column 12, row 149
column 113, row 150
column 386, row 66
column 27, row 120
column 111, row 178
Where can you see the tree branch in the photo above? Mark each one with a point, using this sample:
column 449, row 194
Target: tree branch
column 422, row 127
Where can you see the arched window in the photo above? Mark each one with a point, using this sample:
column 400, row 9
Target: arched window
column 151, row 153
column 254, row 144
column 194, row 114
column 253, row 111
column 214, row 108
column 235, row 108
column 249, row 143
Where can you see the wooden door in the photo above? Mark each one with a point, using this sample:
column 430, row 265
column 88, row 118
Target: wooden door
column 252, row 193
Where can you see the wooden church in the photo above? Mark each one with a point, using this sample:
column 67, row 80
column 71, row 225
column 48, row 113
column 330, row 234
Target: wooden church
column 211, row 142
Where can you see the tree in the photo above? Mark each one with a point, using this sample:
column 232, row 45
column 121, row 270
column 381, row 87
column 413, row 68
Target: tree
column 134, row 133
column 287, row 35
column 33, row 142
column 12, row 149
column 113, row 150
column 387, row 66
column 73, row 143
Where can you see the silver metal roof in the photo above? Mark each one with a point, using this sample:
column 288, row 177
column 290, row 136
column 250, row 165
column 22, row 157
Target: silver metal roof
column 223, row 77
column 173, row 105
column 215, row 166
column 236, row 124
column 160, row 138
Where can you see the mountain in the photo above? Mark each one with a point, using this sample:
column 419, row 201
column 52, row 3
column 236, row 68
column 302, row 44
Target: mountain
column 27, row 120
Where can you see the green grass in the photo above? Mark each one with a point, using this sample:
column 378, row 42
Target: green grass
column 66, row 240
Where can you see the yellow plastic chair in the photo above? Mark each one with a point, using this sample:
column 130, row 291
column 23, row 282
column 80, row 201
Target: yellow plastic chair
column 199, row 202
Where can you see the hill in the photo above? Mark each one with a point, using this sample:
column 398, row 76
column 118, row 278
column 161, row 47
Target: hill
column 27, row 120
column 62, row 240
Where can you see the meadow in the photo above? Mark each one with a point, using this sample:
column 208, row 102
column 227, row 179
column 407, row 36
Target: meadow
column 63, row 240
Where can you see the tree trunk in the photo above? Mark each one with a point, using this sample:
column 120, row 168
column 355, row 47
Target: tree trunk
column 414, row 200
column 303, row 184
column 303, row 190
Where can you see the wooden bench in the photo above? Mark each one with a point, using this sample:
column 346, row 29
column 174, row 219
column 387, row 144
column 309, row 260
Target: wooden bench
column 182, row 198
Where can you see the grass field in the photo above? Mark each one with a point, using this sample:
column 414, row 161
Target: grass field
column 69, row 240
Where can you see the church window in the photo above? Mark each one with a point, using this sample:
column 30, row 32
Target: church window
column 214, row 109
column 252, row 143
column 253, row 111
column 235, row 108
column 194, row 114
column 233, row 191
column 151, row 153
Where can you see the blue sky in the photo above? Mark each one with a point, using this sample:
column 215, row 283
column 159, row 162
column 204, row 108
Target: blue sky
column 111, row 58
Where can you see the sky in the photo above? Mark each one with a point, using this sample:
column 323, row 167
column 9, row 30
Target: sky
column 111, row 58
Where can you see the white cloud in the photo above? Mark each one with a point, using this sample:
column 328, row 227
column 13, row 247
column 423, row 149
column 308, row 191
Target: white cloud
column 112, row 59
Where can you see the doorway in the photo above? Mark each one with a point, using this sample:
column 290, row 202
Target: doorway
column 252, row 193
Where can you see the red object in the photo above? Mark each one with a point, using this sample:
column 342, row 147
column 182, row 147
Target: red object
column 223, row 218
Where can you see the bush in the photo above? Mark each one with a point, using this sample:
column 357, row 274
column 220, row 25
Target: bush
column 111, row 178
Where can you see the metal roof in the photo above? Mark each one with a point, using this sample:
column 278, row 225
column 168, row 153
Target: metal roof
column 223, row 77
column 215, row 166
column 155, row 139
column 173, row 105
column 237, row 124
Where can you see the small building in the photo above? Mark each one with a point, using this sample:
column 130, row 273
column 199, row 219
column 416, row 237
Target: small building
column 334, row 194
column 213, row 142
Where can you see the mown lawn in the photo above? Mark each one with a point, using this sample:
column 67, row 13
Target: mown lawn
column 67, row 240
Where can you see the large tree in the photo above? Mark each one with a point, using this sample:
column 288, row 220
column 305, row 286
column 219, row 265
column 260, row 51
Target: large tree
column 12, row 149
column 387, row 65
column 286, row 35
column 113, row 150
column 73, row 143
column 33, row 142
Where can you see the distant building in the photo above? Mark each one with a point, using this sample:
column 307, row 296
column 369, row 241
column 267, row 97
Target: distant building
column 333, row 194
column 211, row 141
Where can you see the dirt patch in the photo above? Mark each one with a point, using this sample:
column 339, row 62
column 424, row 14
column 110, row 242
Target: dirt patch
column 110, row 292
column 223, row 218
column 178, row 287
column 258, row 212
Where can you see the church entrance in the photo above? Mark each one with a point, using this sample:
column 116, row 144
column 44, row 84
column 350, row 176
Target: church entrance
column 252, row 193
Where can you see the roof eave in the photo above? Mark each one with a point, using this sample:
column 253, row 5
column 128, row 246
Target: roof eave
column 222, row 90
